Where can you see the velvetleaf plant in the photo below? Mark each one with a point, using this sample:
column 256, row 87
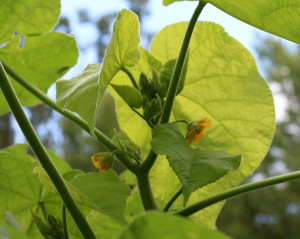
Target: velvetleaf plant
column 196, row 119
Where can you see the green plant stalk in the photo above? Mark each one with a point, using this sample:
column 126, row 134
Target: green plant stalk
column 172, row 200
column 150, row 160
column 143, row 170
column 128, row 73
column 102, row 138
column 64, row 219
column 166, row 112
column 145, row 190
column 42, row 155
column 237, row 191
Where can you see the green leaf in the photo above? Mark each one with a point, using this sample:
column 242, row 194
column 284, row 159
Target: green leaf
column 16, row 172
column 222, row 84
column 103, row 226
column 278, row 17
column 28, row 17
column 160, row 226
column 194, row 168
column 80, row 93
column 42, row 60
column 129, row 94
column 150, row 60
column 83, row 94
column 22, row 191
column 103, row 192
column 122, row 51
column 19, row 188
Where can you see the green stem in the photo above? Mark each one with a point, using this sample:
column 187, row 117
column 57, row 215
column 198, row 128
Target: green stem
column 65, row 226
column 44, row 211
column 149, row 161
column 42, row 155
column 237, row 191
column 179, row 65
column 145, row 190
column 173, row 199
column 102, row 138
column 128, row 73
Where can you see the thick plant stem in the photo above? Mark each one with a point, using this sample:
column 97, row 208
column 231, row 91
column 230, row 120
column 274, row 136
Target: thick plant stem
column 44, row 98
column 145, row 190
column 42, row 155
column 237, row 191
column 179, row 65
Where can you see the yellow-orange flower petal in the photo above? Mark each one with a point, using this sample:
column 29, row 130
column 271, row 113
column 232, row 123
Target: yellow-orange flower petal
column 102, row 161
column 196, row 131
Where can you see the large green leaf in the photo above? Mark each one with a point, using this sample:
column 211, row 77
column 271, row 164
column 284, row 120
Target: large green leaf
column 80, row 93
column 83, row 94
column 278, row 17
column 103, row 192
column 161, row 226
column 41, row 60
column 222, row 84
column 104, row 226
column 123, row 49
column 195, row 168
column 28, row 17
column 21, row 191
column 19, row 188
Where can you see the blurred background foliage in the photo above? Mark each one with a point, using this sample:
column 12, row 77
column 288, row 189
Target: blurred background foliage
column 269, row 213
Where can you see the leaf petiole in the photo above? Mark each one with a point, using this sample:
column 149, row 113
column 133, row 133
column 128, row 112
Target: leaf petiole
column 237, row 191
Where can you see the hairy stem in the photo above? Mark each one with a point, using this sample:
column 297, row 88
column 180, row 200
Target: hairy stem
column 238, row 191
column 42, row 155
column 172, row 200
column 179, row 65
column 102, row 138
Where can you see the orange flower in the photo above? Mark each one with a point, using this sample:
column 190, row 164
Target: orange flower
column 103, row 161
column 196, row 130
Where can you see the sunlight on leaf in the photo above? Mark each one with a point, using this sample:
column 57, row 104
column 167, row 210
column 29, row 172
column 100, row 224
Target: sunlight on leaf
column 80, row 93
column 28, row 17
column 222, row 84
column 42, row 60
column 281, row 18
